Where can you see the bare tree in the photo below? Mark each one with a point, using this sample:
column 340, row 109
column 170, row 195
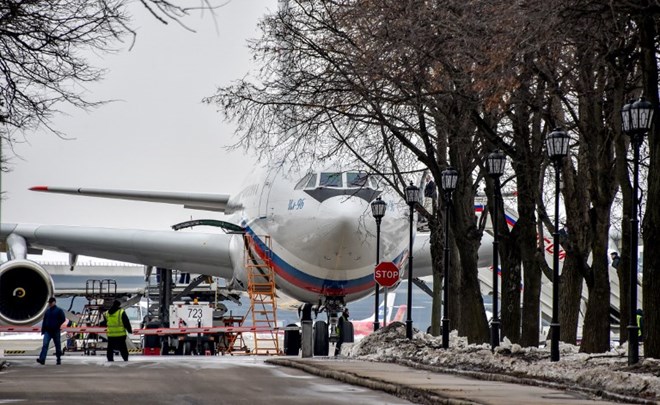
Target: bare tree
column 42, row 48
column 373, row 79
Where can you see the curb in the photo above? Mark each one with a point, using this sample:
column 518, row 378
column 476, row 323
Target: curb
column 422, row 396
column 521, row 380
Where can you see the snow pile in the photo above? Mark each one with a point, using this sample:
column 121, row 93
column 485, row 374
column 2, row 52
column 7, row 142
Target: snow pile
column 607, row 372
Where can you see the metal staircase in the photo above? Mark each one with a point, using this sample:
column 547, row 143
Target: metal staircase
column 99, row 294
column 261, row 289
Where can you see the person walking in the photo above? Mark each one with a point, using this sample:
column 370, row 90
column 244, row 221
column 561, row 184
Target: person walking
column 119, row 326
column 430, row 195
column 640, row 324
column 341, row 330
column 50, row 329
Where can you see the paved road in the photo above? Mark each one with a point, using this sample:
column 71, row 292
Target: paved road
column 256, row 380
column 174, row 380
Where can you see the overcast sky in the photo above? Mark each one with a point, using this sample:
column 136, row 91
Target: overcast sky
column 159, row 137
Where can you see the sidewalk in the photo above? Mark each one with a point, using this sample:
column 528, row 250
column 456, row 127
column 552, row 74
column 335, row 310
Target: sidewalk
column 429, row 387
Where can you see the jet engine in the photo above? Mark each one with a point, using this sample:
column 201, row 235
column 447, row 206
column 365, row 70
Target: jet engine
column 25, row 287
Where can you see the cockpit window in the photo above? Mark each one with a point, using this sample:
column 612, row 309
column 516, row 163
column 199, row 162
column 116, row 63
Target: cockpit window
column 309, row 181
column 330, row 180
column 356, row 179
column 303, row 182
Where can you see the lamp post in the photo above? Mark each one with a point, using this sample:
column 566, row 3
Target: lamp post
column 557, row 147
column 495, row 163
column 378, row 207
column 636, row 120
column 412, row 198
column 449, row 180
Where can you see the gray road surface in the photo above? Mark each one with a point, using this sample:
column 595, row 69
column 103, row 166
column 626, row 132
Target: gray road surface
column 173, row 380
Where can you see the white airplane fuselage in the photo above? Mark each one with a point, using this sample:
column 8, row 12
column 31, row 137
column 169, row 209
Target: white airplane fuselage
column 323, row 238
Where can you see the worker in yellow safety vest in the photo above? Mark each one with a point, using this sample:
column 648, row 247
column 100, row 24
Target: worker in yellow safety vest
column 119, row 326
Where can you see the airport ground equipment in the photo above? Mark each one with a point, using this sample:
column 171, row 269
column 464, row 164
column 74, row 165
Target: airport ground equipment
column 184, row 314
column 231, row 340
column 99, row 294
column 262, row 292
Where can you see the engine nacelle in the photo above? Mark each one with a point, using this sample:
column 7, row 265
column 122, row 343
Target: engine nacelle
column 25, row 287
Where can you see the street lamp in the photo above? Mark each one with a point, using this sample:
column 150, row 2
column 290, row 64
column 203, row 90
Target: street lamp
column 378, row 208
column 449, row 180
column 412, row 198
column 495, row 163
column 636, row 120
column 557, row 147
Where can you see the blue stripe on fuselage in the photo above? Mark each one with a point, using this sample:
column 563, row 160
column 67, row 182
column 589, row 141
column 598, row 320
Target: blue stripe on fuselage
column 307, row 281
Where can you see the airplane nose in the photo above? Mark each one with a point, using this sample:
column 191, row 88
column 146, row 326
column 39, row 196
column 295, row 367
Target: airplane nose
column 342, row 224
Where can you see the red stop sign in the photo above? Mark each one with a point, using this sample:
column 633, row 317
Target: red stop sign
column 386, row 274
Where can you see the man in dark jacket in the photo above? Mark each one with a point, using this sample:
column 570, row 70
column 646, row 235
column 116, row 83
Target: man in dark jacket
column 341, row 330
column 50, row 328
column 118, row 328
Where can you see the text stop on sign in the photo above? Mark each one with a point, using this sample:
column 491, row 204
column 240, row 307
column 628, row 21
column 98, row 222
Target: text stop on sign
column 386, row 274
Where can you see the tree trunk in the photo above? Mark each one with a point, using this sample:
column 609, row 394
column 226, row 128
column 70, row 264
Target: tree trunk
column 437, row 256
column 511, row 283
column 531, row 309
column 596, row 338
column 570, row 297
column 576, row 248
column 651, row 224
column 472, row 321
column 528, row 181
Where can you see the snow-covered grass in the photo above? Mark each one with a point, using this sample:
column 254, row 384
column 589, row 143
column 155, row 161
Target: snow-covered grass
column 603, row 372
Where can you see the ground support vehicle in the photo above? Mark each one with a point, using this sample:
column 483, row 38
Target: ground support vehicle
column 190, row 315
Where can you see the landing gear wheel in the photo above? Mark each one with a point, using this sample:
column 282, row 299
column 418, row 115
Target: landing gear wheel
column 291, row 341
column 321, row 341
column 346, row 331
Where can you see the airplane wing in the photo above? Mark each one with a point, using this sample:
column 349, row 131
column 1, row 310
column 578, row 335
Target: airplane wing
column 202, row 253
column 422, row 262
column 198, row 201
column 25, row 286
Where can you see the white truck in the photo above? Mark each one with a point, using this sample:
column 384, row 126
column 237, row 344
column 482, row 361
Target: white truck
column 190, row 315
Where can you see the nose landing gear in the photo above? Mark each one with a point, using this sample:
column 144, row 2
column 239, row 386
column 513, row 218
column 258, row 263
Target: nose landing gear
column 319, row 337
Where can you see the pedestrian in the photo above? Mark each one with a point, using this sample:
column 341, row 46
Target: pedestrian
column 70, row 336
column 640, row 324
column 50, row 329
column 430, row 194
column 615, row 259
column 341, row 330
column 119, row 326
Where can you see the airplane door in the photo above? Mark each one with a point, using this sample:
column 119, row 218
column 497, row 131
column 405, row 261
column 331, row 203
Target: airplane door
column 265, row 192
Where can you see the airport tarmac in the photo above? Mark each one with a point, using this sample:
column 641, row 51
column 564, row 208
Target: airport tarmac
column 254, row 380
column 195, row 380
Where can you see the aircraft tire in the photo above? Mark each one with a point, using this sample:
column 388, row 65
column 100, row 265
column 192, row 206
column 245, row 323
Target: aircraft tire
column 291, row 341
column 321, row 340
column 347, row 333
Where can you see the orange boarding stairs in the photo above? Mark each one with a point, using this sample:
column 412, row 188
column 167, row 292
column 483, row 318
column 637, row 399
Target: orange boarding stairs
column 262, row 292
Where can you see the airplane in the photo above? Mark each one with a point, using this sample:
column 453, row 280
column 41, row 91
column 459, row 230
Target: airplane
column 323, row 241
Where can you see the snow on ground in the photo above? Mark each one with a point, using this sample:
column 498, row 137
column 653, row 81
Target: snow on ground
column 607, row 372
